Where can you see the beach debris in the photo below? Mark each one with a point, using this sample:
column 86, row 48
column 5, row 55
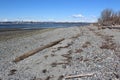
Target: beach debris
column 86, row 44
column 53, row 55
column 37, row 78
column 44, row 71
column 79, row 50
column 48, row 78
column 104, row 27
column 46, row 56
column 65, row 46
column 78, row 76
column 54, row 64
column 60, row 77
column 68, row 58
column 32, row 52
column 12, row 72
column 116, row 75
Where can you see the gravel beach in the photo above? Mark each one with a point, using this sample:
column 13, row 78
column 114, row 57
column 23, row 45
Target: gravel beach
column 86, row 53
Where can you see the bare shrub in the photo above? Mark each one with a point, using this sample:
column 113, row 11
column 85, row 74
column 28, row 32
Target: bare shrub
column 109, row 17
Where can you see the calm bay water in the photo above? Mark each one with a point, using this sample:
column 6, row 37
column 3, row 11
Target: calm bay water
column 39, row 25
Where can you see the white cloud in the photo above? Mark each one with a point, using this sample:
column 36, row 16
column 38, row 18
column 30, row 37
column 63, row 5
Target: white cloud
column 78, row 16
column 4, row 20
column 81, row 18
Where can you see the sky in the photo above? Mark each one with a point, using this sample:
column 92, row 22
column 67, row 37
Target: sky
column 55, row 10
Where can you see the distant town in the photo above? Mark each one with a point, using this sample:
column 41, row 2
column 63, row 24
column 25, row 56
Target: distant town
column 33, row 22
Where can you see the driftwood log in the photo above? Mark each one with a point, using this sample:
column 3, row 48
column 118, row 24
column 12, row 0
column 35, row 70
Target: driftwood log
column 80, row 75
column 32, row 52
column 110, row 27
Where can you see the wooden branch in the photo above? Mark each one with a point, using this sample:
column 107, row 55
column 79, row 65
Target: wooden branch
column 32, row 52
column 80, row 75
column 111, row 27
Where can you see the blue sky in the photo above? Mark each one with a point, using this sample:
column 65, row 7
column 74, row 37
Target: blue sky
column 55, row 10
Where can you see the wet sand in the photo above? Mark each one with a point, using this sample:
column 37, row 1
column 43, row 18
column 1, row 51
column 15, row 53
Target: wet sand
column 6, row 34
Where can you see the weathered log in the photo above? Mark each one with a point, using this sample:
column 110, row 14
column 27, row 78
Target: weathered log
column 32, row 52
column 111, row 27
column 80, row 75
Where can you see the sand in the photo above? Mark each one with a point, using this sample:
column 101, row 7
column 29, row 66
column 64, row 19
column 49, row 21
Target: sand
column 84, row 50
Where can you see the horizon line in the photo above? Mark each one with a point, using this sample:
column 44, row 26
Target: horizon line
column 49, row 21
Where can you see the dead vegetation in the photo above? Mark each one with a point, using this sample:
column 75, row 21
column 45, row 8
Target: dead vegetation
column 80, row 58
column 108, row 44
column 68, row 57
column 109, row 17
column 69, row 44
column 65, row 62
column 79, row 50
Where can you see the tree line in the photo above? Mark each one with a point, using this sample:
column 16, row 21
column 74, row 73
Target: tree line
column 109, row 17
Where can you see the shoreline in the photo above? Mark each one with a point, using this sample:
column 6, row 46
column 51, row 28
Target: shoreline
column 6, row 34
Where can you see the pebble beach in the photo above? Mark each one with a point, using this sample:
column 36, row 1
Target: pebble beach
column 86, row 53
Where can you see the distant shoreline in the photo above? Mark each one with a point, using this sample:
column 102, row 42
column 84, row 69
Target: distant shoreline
column 39, row 25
